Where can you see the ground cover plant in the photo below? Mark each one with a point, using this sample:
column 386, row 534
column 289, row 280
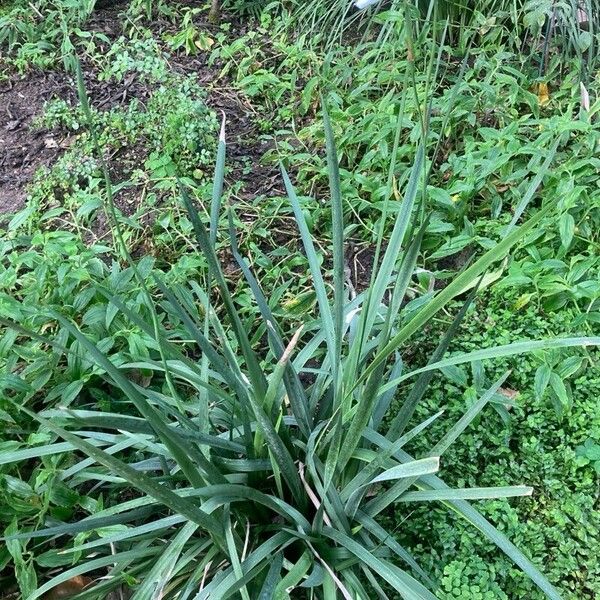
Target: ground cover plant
column 247, row 396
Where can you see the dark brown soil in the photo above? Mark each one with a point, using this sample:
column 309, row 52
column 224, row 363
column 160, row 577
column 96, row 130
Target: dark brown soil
column 244, row 147
column 359, row 260
column 23, row 148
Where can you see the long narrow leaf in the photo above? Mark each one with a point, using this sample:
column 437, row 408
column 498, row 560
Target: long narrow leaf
column 254, row 370
column 337, row 223
column 408, row 587
column 473, row 410
column 513, row 349
column 415, row 468
column 139, row 480
column 217, row 191
column 156, row 579
column 454, row 288
column 294, row 388
column 402, row 418
column 463, row 508
column 467, row 494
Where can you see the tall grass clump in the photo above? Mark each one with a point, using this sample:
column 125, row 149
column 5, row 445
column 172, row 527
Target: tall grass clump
column 536, row 30
column 254, row 473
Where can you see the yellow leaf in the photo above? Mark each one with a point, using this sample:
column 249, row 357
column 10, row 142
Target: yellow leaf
column 395, row 189
column 68, row 588
column 204, row 42
column 542, row 93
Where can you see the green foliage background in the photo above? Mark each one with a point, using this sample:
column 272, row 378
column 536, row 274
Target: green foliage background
column 495, row 135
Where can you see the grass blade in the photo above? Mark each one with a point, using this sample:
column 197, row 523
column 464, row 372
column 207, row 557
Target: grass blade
column 416, row 468
column 454, row 288
column 255, row 373
column 294, row 388
column 535, row 183
column 157, row 578
column 217, row 191
column 467, row 494
column 314, row 264
column 181, row 450
column 267, row 591
column 404, row 584
column 463, row 508
column 473, row 410
column 499, row 351
column 139, row 480
column 337, row 217
column 401, row 420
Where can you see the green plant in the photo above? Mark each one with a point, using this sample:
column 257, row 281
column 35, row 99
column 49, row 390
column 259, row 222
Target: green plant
column 138, row 55
column 263, row 462
column 189, row 37
column 559, row 523
column 171, row 132
column 568, row 24
column 589, row 453
column 41, row 34
column 283, row 73
column 494, row 137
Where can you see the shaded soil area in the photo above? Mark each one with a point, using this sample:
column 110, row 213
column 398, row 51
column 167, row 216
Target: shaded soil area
column 24, row 148
column 244, row 148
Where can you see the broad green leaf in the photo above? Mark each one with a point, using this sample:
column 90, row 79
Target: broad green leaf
column 558, row 387
column 24, row 571
column 566, row 226
column 541, row 380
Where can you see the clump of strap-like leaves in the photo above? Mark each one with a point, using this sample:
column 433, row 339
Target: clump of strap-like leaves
column 262, row 475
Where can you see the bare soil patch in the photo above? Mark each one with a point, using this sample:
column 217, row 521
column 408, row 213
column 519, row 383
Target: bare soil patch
column 25, row 148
